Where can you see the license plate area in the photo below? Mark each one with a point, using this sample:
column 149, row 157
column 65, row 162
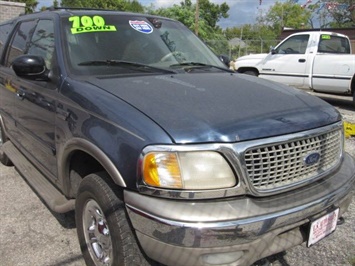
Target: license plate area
column 322, row 227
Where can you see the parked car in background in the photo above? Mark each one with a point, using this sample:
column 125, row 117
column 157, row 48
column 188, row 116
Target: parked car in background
column 164, row 153
column 317, row 60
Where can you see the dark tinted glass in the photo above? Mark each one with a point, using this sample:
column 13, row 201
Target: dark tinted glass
column 152, row 41
column 19, row 42
column 4, row 33
column 42, row 41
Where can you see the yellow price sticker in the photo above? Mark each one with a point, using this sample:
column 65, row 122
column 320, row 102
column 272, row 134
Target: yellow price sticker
column 89, row 24
column 326, row 37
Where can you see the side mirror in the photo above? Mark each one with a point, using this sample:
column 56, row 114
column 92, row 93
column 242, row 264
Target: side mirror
column 273, row 51
column 30, row 67
column 225, row 59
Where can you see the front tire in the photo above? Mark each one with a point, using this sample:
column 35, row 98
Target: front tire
column 104, row 233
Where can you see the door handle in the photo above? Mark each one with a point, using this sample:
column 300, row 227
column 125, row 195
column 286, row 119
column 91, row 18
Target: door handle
column 301, row 60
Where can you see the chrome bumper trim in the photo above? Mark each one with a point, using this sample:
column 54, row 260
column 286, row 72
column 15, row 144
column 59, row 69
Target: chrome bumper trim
column 238, row 223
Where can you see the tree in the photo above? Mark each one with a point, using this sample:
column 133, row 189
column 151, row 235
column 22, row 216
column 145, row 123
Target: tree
column 183, row 13
column 55, row 4
column 123, row 5
column 288, row 14
column 334, row 14
column 210, row 14
column 31, row 5
column 256, row 38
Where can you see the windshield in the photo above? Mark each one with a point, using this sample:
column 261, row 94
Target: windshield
column 154, row 42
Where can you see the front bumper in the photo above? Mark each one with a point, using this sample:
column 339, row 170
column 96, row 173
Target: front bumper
column 235, row 231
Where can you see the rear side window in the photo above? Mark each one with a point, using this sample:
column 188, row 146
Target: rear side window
column 333, row 44
column 19, row 42
column 4, row 33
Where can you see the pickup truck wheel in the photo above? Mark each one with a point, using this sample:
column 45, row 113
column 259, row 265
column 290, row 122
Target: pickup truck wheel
column 251, row 73
column 3, row 157
column 104, row 233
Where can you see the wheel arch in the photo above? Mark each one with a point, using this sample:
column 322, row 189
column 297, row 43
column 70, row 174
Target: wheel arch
column 352, row 85
column 352, row 89
column 245, row 69
column 79, row 158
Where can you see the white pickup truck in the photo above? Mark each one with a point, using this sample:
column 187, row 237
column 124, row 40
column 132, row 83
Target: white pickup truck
column 317, row 60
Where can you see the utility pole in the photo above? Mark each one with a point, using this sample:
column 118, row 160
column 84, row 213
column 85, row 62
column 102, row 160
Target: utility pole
column 197, row 16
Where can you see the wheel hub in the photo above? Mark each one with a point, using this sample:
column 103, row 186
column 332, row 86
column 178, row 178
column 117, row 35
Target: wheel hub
column 97, row 234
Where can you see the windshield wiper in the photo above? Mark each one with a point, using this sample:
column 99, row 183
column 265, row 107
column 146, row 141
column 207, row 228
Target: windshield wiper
column 123, row 63
column 200, row 65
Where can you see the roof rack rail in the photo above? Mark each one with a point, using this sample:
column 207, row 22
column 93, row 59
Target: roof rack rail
column 53, row 8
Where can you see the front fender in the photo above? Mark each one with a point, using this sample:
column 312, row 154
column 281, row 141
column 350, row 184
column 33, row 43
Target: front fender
column 86, row 146
column 249, row 62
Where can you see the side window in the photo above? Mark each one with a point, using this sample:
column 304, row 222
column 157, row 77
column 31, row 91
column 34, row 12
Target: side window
column 42, row 41
column 4, row 33
column 294, row 45
column 19, row 42
column 333, row 44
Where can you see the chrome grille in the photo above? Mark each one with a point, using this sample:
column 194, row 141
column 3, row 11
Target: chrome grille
column 280, row 165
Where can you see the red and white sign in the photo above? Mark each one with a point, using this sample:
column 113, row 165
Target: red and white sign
column 322, row 227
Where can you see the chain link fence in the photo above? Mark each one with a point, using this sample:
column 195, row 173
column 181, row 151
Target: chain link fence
column 238, row 47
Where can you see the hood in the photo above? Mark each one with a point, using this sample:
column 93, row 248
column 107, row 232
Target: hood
column 220, row 107
column 252, row 57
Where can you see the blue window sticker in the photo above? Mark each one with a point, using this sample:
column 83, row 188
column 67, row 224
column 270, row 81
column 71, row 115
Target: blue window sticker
column 141, row 26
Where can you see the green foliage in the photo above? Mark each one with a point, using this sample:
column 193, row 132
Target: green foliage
column 123, row 5
column 31, row 5
column 251, row 32
column 259, row 37
column 219, row 44
column 212, row 13
column 256, row 38
column 287, row 14
column 209, row 15
column 183, row 13
column 337, row 14
column 55, row 4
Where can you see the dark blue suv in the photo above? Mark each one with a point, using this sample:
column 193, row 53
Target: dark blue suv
column 165, row 154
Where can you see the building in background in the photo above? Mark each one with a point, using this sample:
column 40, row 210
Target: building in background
column 9, row 10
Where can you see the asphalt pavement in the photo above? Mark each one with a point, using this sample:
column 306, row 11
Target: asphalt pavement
column 32, row 235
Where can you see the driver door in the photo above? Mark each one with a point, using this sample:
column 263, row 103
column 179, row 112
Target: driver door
column 288, row 62
column 34, row 101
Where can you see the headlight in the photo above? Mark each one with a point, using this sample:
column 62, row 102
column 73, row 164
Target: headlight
column 187, row 170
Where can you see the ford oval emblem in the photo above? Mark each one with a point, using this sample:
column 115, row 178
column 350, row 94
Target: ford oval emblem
column 311, row 158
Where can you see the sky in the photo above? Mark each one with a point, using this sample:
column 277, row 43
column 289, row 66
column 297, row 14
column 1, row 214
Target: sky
column 240, row 11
